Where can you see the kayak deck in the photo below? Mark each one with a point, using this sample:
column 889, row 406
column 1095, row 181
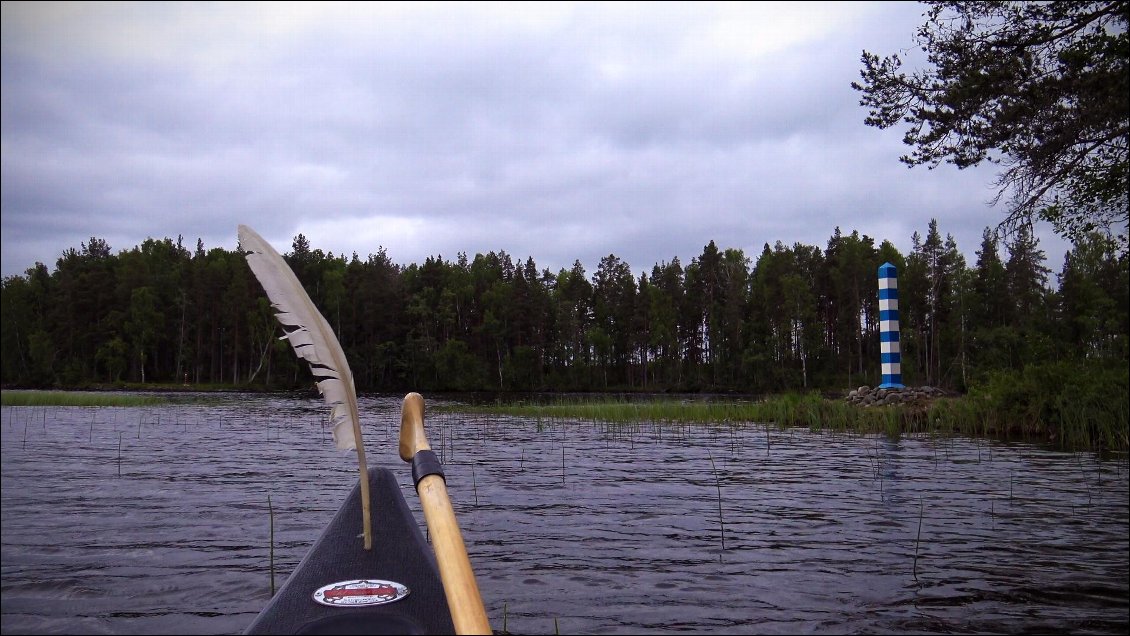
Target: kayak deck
column 400, row 554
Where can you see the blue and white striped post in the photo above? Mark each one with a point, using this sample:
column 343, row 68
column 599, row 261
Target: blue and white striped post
column 889, row 327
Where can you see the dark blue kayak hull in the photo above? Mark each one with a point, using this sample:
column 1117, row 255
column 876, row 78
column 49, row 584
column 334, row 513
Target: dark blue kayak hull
column 400, row 554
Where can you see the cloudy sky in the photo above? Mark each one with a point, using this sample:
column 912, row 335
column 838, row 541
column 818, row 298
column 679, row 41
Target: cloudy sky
column 557, row 131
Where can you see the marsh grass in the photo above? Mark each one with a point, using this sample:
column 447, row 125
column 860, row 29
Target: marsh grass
column 77, row 398
column 789, row 410
column 1085, row 421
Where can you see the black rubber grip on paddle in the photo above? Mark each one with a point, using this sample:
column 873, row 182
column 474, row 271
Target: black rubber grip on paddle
column 426, row 463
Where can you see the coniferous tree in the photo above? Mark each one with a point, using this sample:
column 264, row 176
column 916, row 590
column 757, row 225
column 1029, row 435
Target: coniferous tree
column 1093, row 287
column 614, row 294
column 573, row 299
column 851, row 266
column 1040, row 88
column 664, row 296
column 798, row 317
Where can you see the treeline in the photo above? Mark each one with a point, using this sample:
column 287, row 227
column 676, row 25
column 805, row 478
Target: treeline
column 794, row 317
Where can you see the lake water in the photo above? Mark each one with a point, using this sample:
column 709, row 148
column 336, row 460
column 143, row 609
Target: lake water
column 574, row 527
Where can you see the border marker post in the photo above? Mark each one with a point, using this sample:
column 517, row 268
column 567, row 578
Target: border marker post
column 889, row 327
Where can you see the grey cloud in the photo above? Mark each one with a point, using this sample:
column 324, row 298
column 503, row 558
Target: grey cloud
column 596, row 129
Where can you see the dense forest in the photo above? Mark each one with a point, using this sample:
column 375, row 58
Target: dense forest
column 793, row 318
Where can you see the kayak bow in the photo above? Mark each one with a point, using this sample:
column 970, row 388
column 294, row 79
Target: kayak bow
column 396, row 587
column 356, row 582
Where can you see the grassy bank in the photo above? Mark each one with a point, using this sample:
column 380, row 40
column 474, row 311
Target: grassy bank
column 1051, row 404
column 77, row 398
column 789, row 410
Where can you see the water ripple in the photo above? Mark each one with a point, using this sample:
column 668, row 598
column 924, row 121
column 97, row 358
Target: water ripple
column 574, row 526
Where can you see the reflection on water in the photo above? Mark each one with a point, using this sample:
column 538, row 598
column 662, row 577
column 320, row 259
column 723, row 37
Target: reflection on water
column 578, row 526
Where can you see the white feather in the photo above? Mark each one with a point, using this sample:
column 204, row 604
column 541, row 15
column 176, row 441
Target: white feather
column 310, row 335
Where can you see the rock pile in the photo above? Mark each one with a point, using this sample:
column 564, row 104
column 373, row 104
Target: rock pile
column 866, row 396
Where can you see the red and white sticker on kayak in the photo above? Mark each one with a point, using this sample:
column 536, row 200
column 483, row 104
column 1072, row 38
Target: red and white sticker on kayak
column 360, row 592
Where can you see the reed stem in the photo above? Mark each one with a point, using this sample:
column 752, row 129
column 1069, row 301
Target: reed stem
column 271, row 533
column 919, row 539
column 718, row 485
column 475, row 483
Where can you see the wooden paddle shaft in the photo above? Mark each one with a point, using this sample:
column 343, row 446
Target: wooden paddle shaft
column 467, row 611
column 463, row 598
column 412, row 437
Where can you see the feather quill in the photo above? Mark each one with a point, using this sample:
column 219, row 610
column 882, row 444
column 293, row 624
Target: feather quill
column 313, row 340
